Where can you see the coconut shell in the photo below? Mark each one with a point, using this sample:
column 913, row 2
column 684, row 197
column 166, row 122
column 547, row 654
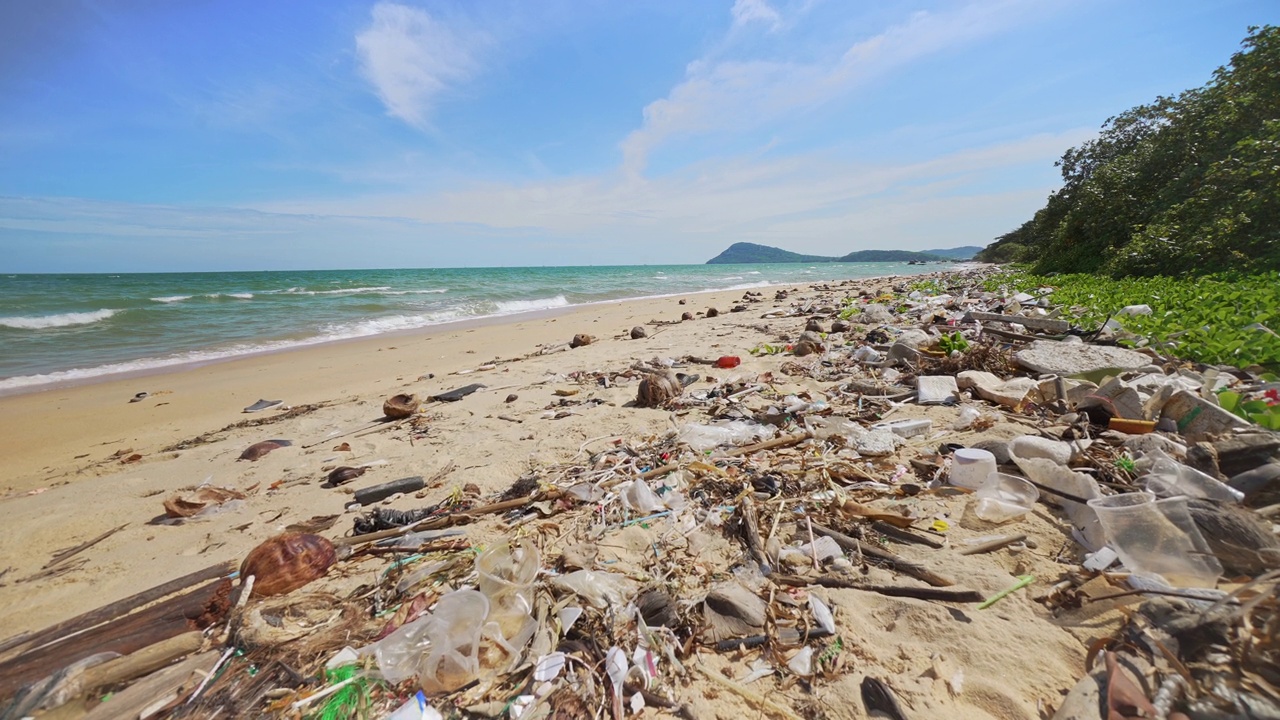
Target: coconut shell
column 638, row 332
column 286, row 562
column 712, row 312
column 257, row 450
column 400, row 406
column 344, row 474
column 686, row 316
column 814, row 326
column 581, row 339
column 658, row 389
column 185, row 505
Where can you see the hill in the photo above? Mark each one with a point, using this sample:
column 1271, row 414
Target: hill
column 959, row 253
column 889, row 256
column 744, row 252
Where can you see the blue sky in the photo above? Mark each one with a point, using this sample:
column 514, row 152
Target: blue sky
column 151, row 135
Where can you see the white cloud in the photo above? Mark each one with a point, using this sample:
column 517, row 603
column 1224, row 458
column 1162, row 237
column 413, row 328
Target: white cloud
column 747, row 11
column 730, row 96
column 411, row 58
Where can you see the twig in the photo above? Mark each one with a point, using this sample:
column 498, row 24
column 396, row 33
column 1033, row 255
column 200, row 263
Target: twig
column 943, row 594
column 996, row 544
column 65, row 554
column 746, row 694
column 897, row 562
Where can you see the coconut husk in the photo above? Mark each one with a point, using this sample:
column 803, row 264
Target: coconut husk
column 804, row 347
column 732, row 611
column 581, row 339
column 686, row 316
column 400, row 406
column 184, row 505
column 638, row 332
column 658, row 389
column 1242, row 542
column 814, row 326
column 712, row 312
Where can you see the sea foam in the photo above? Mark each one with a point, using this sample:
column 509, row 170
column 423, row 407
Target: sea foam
column 41, row 322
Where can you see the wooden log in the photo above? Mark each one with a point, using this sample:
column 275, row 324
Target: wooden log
column 161, row 687
column 147, row 660
column 1035, row 323
column 897, row 562
column 930, row 593
column 123, row 635
column 85, row 621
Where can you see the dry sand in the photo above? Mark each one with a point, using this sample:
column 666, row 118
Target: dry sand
column 65, row 483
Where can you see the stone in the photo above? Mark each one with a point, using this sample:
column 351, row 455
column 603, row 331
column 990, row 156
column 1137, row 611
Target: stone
column 1010, row 393
column 1198, row 419
column 1119, row 399
column 875, row 443
column 998, row 448
column 1059, row 358
column 1150, row 442
column 914, row 338
column 875, row 314
column 935, row 389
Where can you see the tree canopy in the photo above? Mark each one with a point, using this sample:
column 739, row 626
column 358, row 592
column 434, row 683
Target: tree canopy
column 1186, row 184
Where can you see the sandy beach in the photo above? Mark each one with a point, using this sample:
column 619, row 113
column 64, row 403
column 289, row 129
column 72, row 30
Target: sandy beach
column 81, row 461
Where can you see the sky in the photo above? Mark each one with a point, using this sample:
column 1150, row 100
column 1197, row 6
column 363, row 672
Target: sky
column 151, row 135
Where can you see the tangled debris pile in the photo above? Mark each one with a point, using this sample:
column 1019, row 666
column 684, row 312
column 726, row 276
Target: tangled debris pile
column 933, row 456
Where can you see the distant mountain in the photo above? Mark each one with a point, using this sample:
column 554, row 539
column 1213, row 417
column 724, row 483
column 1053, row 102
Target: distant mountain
column 961, row 253
column 744, row 252
column 888, row 256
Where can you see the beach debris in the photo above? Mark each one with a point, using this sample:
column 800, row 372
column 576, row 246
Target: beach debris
column 457, row 393
column 262, row 405
column 712, row 312
column 286, row 562
column 259, row 449
column 686, row 316
column 580, row 340
column 878, row 698
column 725, row 362
column 398, row 407
column 139, row 397
column 511, row 398
column 344, row 474
column 1055, row 357
column 639, row 332
column 374, row 493
column 657, row 389
column 185, row 505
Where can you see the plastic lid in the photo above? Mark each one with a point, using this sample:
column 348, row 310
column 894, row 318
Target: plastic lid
column 973, row 455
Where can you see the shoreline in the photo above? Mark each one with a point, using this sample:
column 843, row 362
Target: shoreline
column 163, row 365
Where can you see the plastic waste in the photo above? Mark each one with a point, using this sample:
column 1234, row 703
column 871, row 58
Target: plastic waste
column 906, row 428
column 441, row 649
column 967, row 417
column 638, row 497
column 416, row 708
column 599, row 588
column 1134, row 310
column 1033, row 446
column 970, row 467
column 506, row 576
column 1004, row 497
column 1063, row 479
column 737, row 432
column 866, row 353
column 1166, row 477
column 1157, row 537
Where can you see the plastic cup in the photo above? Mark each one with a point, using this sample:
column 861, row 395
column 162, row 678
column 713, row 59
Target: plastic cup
column 970, row 467
column 1004, row 497
column 456, row 624
column 1157, row 537
column 506, row 576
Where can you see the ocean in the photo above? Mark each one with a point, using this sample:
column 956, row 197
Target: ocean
column 79, row 327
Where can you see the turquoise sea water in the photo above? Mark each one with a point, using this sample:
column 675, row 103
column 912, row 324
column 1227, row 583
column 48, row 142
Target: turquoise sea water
column 56, row 328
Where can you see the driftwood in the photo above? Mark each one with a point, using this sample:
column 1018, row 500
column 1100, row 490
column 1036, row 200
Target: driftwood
column 896, row 562
column 141, row 662
column 161, row 687
column 120, row 627
column 929, row 593
column 996, row 544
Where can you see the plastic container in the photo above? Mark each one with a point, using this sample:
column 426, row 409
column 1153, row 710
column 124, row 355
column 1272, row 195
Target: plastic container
column 415, row 708
column 455, row 629
column 1166, row 477
column 1004, row 497
column 1157, row 537
column 906, row 428
column 728, row 361
column 970, row 467
column 506, row 576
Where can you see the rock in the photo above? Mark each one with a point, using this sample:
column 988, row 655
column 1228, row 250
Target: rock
column 875, row 443
column 1145, row 444
column 935, row 389
column 1239, row 453
column 1118, row 399
column 1197, row 418
column 998, row 448
column 914, row 338
column 1263, row 480
column 581, row 339
column 638, row 332
column 875, row 314
column 1033, row 446
column 1009, row 393
column 1059, row 358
